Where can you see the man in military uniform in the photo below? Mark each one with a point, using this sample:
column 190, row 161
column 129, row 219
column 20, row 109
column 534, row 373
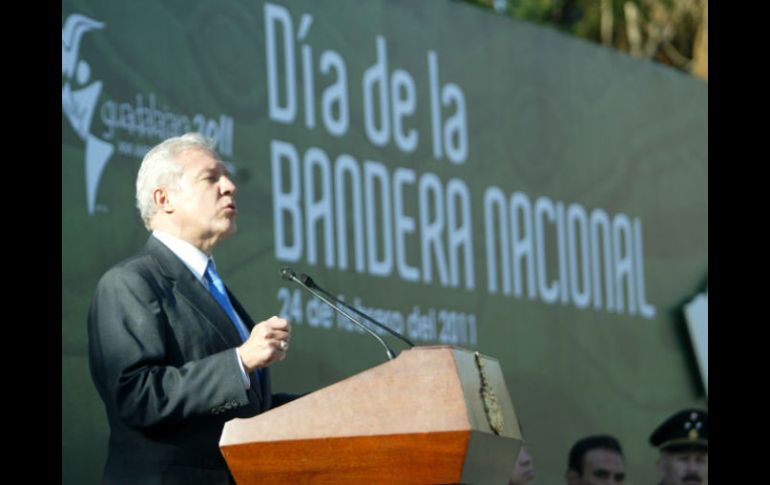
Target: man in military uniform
column 683, row 443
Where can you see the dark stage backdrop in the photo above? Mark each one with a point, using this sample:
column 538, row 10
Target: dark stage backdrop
column 465, row 178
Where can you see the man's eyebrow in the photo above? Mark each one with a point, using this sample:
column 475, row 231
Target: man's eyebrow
column 210, row 170
column 203, row 173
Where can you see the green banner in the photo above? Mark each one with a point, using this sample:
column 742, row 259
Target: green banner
column 462, row 177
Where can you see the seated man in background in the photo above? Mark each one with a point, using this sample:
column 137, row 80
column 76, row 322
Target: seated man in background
column 596, row 460
column 524, row 470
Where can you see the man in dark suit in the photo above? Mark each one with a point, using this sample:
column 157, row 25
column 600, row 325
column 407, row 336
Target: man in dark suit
column 172, row 353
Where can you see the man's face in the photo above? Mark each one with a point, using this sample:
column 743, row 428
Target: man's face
column 524, row 471
column 204, row 202
column 685, row 468
column 601, row 467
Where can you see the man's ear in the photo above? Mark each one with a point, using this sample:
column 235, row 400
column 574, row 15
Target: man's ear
column 162, row 200
column 572, row 477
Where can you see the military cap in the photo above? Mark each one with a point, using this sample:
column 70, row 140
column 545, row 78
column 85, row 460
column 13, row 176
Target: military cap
column 684, row 431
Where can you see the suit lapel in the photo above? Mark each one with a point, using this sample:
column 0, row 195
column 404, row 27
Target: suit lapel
column 192, row 290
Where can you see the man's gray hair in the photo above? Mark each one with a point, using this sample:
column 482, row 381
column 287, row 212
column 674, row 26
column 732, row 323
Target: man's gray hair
column 160, row 169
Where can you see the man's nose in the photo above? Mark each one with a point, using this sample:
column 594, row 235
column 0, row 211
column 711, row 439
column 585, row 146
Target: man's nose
column 227, row 186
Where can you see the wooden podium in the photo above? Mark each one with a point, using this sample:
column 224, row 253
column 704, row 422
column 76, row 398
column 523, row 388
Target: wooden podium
column 428, row 416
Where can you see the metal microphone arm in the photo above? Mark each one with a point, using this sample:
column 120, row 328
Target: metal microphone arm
column 288, row 274
column 312, row 284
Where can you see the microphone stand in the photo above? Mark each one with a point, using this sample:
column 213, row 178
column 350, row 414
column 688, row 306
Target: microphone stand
column 312, row 284
column 288, row 274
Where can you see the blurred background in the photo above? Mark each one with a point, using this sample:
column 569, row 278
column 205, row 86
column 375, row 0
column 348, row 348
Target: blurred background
column 671, row 32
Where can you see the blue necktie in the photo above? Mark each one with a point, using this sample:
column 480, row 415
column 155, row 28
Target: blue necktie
column 217, row 290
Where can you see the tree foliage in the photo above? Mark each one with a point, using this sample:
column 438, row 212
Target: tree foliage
column 672, row 32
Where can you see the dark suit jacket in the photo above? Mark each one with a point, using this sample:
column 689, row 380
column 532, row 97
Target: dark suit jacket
column 162, row 356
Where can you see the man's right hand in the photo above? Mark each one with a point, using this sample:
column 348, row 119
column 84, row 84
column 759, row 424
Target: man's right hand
column 267, row 343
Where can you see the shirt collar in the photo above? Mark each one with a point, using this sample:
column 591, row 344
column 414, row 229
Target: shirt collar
column 195, row 259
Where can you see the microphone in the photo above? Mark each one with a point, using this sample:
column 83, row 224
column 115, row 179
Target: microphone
column 289, row 275
column 312, row 284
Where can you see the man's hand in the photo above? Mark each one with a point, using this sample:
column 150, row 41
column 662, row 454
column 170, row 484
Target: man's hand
column 268, row 342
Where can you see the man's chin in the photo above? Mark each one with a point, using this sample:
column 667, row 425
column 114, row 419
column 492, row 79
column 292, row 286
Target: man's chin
column 231, row 229
column 227, row 231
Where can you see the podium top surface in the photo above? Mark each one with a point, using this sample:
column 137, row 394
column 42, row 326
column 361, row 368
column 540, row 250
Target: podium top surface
column 424, row 390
